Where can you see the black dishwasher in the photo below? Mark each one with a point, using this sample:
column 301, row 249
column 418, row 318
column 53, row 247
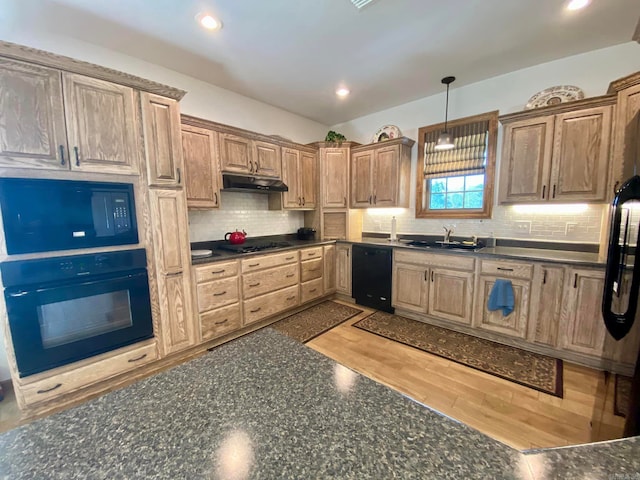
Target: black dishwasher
column 371, row 277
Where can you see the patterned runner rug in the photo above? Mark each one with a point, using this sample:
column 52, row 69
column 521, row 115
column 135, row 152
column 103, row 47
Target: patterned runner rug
column 529, row 369
column 621, row 396
column 308, row 324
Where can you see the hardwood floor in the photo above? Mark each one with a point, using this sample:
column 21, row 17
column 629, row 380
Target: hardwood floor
column 513, row 414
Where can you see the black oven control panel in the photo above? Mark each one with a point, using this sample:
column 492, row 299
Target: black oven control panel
column 43, row 270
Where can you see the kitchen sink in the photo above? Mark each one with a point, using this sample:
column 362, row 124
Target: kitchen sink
column 439, row 244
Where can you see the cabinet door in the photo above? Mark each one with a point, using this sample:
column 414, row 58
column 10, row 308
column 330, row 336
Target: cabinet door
column 626, row 139
column 32, row 129
column 170, row 231
column 290, row 160
column 343, row 269
column 451, row 295
column 266, row 159
column 199, row 149
column 581, row 155
column 526, row 160
column 329, row 268
column 308, row 180
column 385, row 177
column 335, row 175
column 581, row 317
column 546, row 304
column 178, row 328
column 514, row 324
column 410, row 287
column 361, row 172
column 101, row 125
column 235, row 154
column 161, row 120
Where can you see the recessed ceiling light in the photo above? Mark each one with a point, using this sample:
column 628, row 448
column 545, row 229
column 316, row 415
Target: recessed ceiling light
column 577, row 4
column 342, row 92
column 208, row 21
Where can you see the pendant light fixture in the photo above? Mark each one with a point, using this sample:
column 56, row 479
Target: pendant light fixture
column 445, row 139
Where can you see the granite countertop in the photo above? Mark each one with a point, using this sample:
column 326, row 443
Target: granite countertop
column 265, row 406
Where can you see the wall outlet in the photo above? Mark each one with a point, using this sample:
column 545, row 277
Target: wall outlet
column 523, row 226
column 570, row 227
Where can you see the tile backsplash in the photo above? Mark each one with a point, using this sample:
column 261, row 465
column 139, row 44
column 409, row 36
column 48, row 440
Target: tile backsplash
column 242, row 211
column 549, row 222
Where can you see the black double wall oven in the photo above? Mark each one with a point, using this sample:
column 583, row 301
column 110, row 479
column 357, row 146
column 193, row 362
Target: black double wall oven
column 66, row 308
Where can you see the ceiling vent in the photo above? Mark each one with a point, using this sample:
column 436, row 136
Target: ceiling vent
column 359, row 4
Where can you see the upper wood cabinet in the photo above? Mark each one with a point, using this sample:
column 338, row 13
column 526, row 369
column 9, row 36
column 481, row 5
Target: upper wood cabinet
column 199, row 149
column 240, row 154
column 560, row 154
column 299, row 173
column 335, row 177
column 161, row 120
column 54, row 120
column 380, row 174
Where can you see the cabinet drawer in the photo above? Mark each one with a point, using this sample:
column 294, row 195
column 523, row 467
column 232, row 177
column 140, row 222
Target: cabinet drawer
column 90, row 373
column 308, row 253
column 220, row 321
column 260, row 262
column 310, row 270
column 458, row 262
column 506, row 269
column 270, row 304
column 217, row 293
column 216, row 270
column 259, row 283
column 310, row 290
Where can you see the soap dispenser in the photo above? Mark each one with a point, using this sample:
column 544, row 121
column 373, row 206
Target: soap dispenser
column 394, row 225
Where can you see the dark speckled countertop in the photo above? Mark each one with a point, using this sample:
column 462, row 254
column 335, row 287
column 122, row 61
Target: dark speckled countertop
column 266, row 407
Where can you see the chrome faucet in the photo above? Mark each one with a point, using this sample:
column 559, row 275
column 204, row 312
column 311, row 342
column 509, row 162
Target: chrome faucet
column 447, row 234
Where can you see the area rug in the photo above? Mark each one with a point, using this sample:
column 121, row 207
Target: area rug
column 621, row 395
column 529, row 369
column 308, row 324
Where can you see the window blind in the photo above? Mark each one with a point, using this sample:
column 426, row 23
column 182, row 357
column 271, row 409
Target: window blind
column 467, row 158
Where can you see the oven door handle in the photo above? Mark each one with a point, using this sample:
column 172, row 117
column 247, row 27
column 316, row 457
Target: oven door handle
column 19, row 294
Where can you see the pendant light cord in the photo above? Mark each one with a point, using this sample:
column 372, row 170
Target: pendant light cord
column 446, row 110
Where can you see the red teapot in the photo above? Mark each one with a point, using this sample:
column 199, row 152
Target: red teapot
column 236, row 238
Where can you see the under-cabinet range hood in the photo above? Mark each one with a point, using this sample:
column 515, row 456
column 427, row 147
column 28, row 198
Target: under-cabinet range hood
column 242, row 183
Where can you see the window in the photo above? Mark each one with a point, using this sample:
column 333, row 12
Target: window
column 458, row 183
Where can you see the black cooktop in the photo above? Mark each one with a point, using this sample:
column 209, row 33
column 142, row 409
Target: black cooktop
column 249, row 247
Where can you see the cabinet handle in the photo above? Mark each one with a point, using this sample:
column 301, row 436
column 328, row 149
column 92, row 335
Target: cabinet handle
column 215, row 272
column 62, row 155
column 375, row 199
column 425, row 275
column 544, row 190
column 254, row 284
column 505, row 269
column 58, row 385
column 215, row 198
column 222, row 322
column 432, row 275
column 554, row 192
column 313, row 269
column 179, row 174
column 575, row 280
column 255, row 168
column 250, row 166
column 291, row 275
column 291, row 298
column 75, row 149
column 369, row 199
column 137, row 359
column 219, row 294
column 256, row 310
column 347, row 253
column 313, row 290
column 544, row 277
column 254, row 264
column 290, row 258
column 345, row 201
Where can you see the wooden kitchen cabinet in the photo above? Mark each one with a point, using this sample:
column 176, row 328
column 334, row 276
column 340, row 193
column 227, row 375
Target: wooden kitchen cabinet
column 343, row 269
column 451, row 295
column 410, row 287
column 311, row 273
column 626, row 131
column 335, row 174
column 380, row 174
column 200, row 152
column 546, row 304
column 329, row 255
column 266, row 159
column 161, row 121
column 244, row 155
column 299, row 173
column 559, row 154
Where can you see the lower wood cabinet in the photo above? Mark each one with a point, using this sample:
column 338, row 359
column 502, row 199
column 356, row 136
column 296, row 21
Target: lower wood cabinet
column 221, row 321
column 410, row 287
column 451, row 295
column 513, row 324
column 265, row 306
column 343, row 269
column 329, row 256
column 546, row 304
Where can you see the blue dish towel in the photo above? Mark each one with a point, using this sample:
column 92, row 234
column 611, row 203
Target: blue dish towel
column 501, row 297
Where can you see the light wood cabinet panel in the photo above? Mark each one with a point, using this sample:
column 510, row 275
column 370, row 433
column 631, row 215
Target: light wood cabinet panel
column 385, row 177
column 270, row 304
column 546, row 304
column 526, row 150
column 308, row 179
column 161, row 120
column 361, row 183
column 506, row 269
column 311, row 290
column 311, row 269
column 267, row 159
column 217, row 293
column 309, row 253
column 343, row 269
column 626, row 139
column 216, row 270
column 514, row 324
column 221, row 321
column 260, row 262
column 170, row 231
column 583, row 326
column 32, row 126
column 200, row 152
column 457, row 262
column 580, row 160
column 299, row 173
column 410, row 287
column 329, row 256
column 293, row 198
column 450, row 295
column 101, row 125
column 259, row 283
column 335, row 174
column 235, row 154
column 177, row 320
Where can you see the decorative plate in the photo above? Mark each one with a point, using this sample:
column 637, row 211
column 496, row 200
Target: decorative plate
column 554, row 96
column 388, row 132
column 200, row 253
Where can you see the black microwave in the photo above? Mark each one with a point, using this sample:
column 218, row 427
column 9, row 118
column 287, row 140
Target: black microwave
column 46, row 215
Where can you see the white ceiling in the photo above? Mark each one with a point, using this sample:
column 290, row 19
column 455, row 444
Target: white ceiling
column 293, row 54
